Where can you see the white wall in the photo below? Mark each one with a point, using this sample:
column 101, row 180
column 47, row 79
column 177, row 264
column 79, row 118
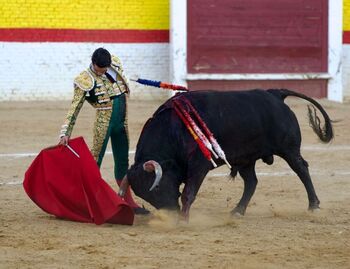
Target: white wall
column 178, row 42
column 346, row 71
column 335, row 32
column 42, row 71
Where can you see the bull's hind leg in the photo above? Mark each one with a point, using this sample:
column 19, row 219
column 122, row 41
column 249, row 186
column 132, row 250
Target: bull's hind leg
column 250, row 181
column 300, row 167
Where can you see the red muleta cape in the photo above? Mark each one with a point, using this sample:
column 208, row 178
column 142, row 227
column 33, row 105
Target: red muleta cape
column 72, row 188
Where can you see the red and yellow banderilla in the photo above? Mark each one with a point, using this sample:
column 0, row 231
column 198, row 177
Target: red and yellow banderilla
column 202, row 147
column 208, row 133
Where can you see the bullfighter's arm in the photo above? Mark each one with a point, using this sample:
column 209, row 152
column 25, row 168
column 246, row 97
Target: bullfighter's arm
column 82, row 84
column 76, row 105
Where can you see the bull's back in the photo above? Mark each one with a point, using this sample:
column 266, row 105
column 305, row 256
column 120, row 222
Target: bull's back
column 251, row 123
column 247, row 121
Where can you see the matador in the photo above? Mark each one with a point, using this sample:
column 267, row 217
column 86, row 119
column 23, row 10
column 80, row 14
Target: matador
column 104, row 86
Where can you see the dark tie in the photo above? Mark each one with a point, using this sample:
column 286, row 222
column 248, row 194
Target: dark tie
column 110, row 78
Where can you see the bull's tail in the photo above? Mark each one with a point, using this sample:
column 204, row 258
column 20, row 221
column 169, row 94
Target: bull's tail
column 325, row 133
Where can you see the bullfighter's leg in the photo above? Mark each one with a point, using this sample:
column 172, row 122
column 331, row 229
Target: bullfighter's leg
column 300, row 167
column 190, row 191
column 101, row 134
column 120, row 137
column 250, row 181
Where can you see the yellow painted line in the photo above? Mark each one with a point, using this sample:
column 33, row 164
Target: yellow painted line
column 85, row 14
column 346, row 15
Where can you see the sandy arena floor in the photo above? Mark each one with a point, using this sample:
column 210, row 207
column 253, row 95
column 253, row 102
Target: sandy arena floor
column 276, row 232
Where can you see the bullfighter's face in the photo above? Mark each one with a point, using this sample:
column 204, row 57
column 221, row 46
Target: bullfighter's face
column 99, row 70
column 165, row 195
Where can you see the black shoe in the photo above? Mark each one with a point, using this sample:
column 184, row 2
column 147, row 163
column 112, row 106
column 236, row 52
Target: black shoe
column 141, row 210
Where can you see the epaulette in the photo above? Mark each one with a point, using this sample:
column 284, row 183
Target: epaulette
column 116, row 63
column 84, row 81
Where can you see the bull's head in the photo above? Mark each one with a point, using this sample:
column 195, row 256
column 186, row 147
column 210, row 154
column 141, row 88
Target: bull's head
column 155, row 185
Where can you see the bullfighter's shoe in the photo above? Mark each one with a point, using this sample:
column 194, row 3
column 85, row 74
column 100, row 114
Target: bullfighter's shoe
column 138, row 210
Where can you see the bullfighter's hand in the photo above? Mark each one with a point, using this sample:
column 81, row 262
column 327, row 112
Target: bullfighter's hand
column 64, row 140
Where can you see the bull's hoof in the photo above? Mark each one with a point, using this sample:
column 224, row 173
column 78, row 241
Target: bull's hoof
column 236, row 214
column 238, row 211
column 314, row 209
column 183, row 219
column 315, row 206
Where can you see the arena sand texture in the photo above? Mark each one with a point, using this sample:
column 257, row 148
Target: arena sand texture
column 276, row 232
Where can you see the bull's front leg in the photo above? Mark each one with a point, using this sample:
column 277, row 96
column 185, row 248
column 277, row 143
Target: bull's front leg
column 187, row 198
column 190, row 191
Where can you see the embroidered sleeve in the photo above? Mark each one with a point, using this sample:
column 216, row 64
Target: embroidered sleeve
column 77, row 103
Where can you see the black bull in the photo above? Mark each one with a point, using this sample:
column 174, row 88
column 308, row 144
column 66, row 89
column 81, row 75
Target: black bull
column 248, row 125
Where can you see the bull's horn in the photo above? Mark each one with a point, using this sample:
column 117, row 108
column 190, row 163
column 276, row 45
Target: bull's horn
column 123, row 186
column 151, row 166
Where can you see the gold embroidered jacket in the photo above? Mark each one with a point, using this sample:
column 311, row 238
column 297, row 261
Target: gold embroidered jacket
column 99, row 91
